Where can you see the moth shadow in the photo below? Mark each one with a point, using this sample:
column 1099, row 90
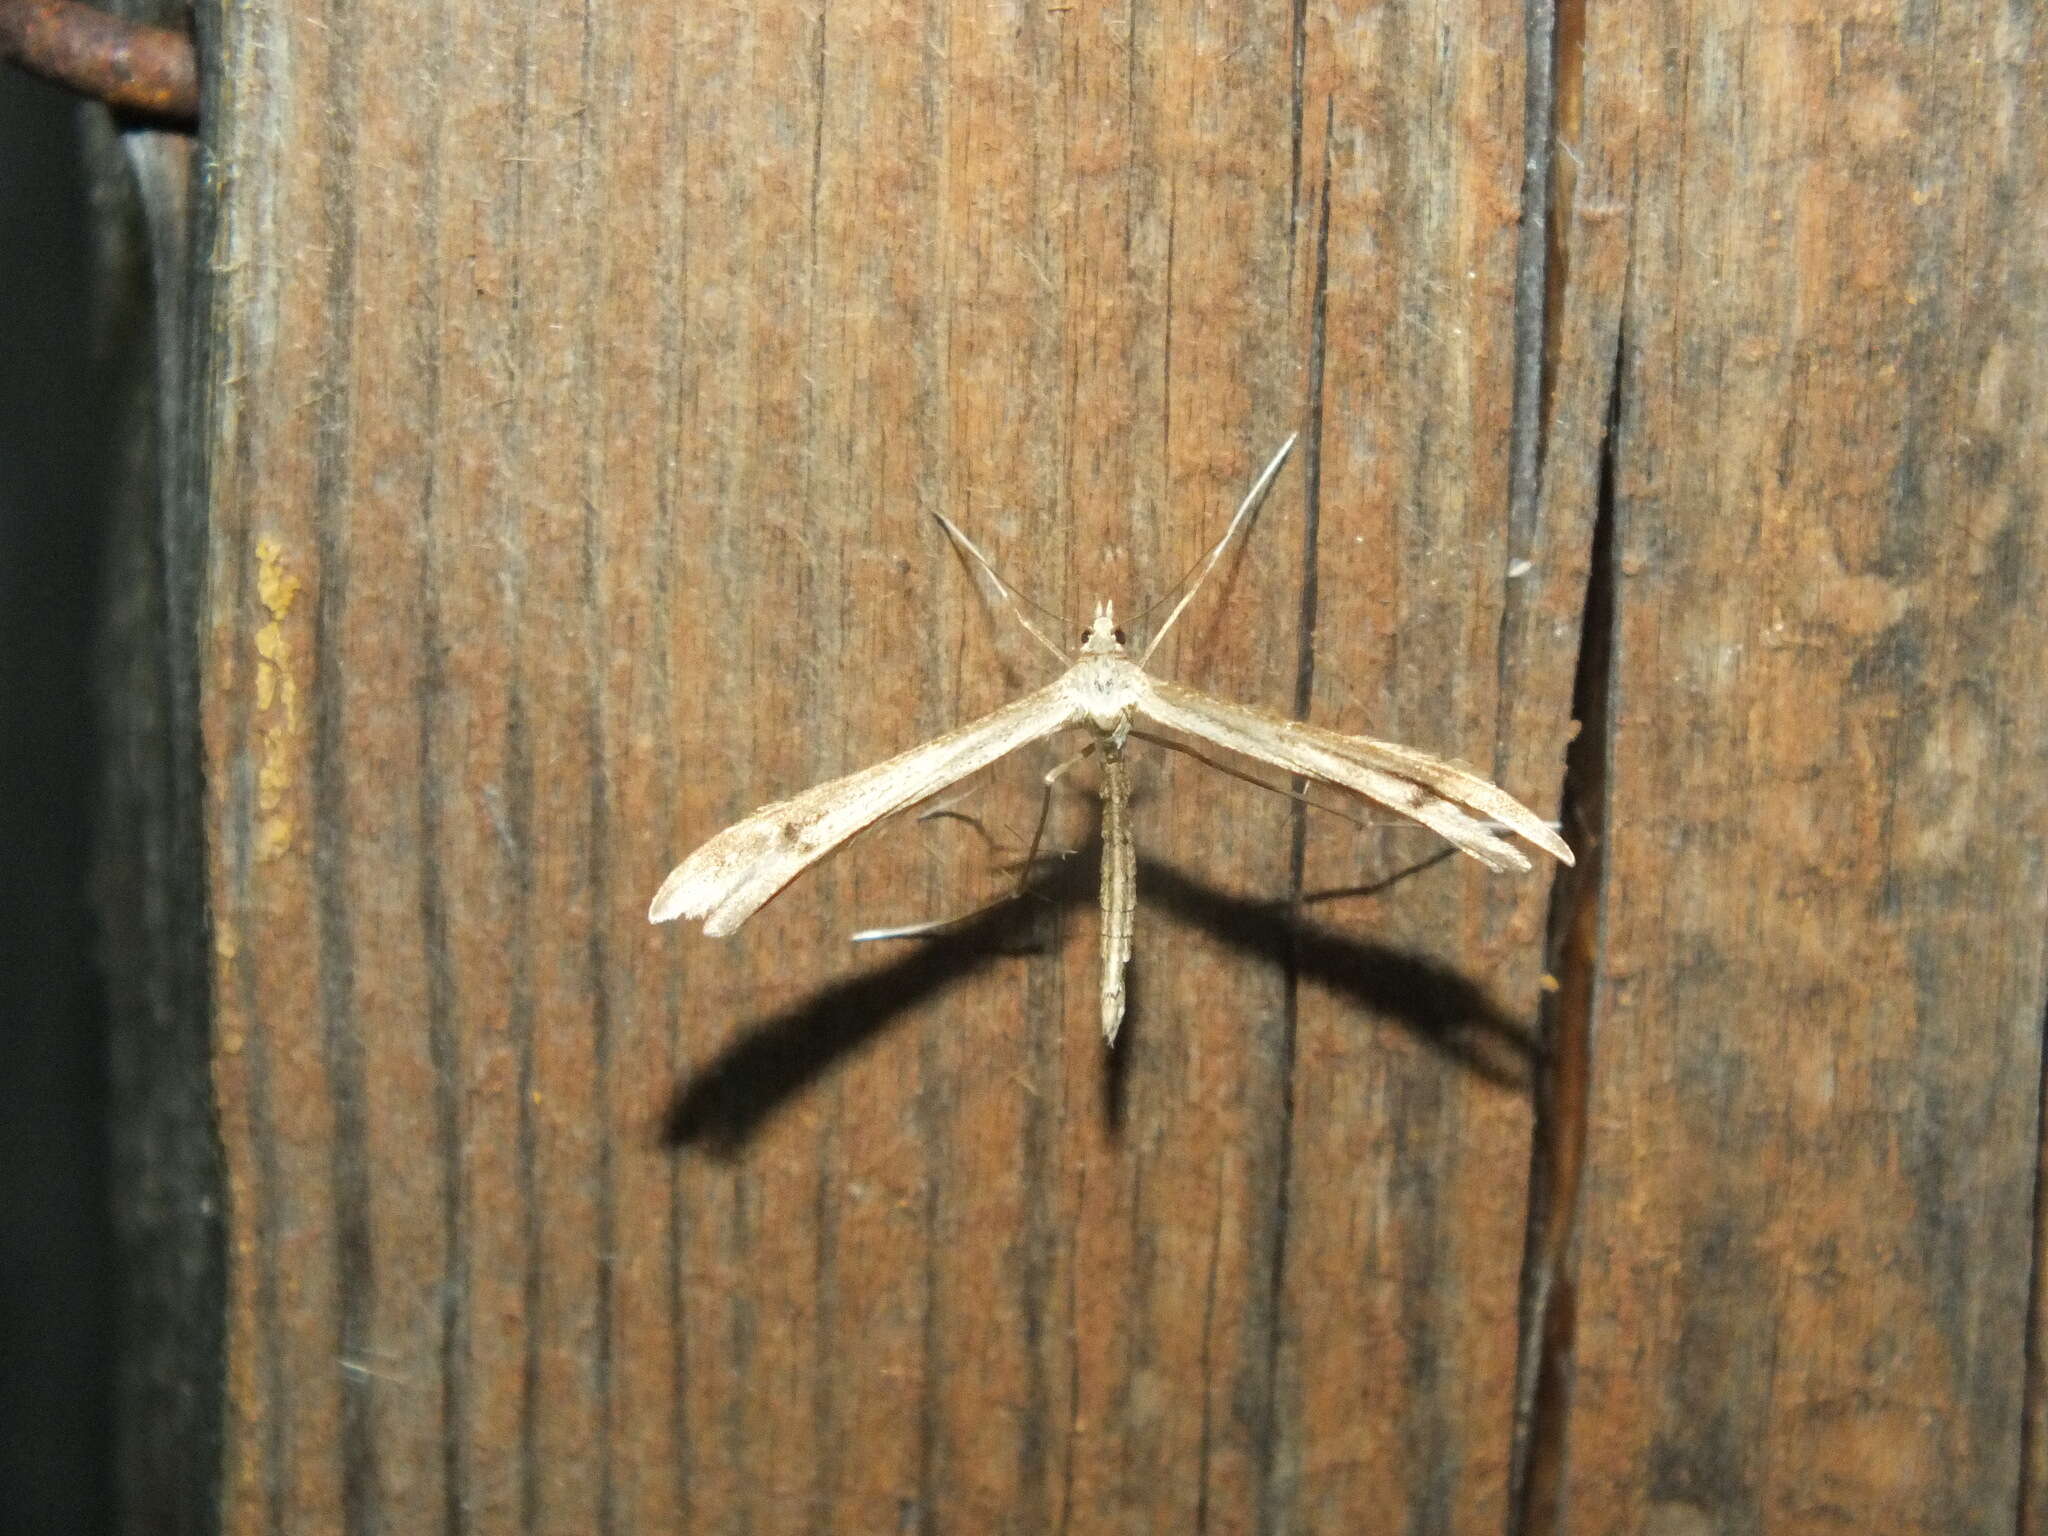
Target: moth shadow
column 1433, row 1002
column 724, row 1103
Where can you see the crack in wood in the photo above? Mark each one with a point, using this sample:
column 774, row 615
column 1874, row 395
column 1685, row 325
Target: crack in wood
column 1542, row 1406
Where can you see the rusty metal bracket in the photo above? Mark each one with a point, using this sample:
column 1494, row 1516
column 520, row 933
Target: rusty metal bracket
column 143, row 71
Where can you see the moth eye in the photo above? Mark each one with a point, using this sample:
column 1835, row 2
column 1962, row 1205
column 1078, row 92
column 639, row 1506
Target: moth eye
column 1118, row 635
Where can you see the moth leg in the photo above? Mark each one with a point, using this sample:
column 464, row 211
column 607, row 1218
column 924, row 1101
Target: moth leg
column 1052, row 778
column 935, row 926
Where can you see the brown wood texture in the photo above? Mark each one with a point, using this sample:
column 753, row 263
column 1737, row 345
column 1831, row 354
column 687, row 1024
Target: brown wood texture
column 1806, row 1240
column 580, row 381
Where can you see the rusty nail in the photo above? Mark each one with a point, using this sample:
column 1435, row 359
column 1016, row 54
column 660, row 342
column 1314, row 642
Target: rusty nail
column 145, row 71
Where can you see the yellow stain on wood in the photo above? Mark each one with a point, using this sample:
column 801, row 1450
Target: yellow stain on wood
column 277, row 700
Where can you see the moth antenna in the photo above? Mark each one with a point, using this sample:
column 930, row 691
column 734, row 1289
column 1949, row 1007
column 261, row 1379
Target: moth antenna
column 1017, row 600
column 1244, row 511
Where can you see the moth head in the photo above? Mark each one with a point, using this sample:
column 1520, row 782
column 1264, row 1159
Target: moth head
column 1103, row 637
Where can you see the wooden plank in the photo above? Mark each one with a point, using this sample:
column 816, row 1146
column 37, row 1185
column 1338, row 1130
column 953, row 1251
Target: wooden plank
column 1815, row 1074
column 1404, row 1202
column 584, row 381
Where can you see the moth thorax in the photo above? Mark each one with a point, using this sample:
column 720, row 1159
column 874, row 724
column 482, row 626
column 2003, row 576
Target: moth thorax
column 1107, row 688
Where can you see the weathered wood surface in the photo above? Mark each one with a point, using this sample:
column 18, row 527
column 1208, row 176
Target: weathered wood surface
column 1804, row 1260
column 580, row 383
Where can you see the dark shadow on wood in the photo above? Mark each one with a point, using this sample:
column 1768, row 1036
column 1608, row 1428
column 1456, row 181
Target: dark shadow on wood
column 1377, row 887
column 1435, row 1004
column 725, row 1103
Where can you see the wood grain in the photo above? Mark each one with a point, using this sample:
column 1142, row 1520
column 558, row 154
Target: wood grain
column 579, row 385
column 1805, row 1256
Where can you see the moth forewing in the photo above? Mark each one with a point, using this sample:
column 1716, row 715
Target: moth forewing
column 1328, row 758
column 1452, row 780
column 734, row 875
